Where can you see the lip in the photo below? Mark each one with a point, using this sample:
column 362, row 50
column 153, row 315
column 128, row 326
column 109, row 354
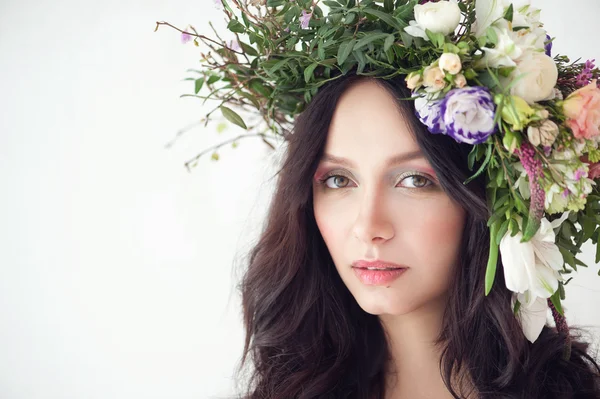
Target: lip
column 377, row 277
column 363, row 264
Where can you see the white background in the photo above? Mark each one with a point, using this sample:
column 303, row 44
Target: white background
column 118, row 267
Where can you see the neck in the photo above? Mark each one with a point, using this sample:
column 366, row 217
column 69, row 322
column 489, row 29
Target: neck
column 414, row 368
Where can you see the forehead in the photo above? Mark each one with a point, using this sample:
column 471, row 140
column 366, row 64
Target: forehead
column 367, row 121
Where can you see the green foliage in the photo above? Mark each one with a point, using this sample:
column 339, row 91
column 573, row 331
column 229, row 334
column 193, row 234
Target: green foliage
column 269, row 65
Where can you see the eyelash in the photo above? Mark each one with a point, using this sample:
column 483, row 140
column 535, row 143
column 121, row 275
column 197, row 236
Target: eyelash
column 327, row 176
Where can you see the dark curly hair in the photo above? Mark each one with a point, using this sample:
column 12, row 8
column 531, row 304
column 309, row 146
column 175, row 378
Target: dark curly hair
column 306, row 336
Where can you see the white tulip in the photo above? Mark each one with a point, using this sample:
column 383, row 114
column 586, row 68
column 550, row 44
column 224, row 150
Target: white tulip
column 536, row 76
column 532, row 267
column 488, row 12
column 532, row 315
column 441, row 17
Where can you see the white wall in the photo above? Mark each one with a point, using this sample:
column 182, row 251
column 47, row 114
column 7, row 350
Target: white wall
column 116, row 264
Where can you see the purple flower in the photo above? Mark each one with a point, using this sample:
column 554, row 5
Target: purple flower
column 234, row 45
column 185, row 37
column 305, row 19
column 218, row 4
column 584, row 78
column 548, row 46
column 468, row 114
column 429, row 113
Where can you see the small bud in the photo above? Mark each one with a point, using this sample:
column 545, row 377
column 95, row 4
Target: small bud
column 413, row 80
column 460, row 81
column 450, row 62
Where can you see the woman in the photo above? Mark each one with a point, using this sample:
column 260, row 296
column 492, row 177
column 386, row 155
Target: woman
column 320, row 324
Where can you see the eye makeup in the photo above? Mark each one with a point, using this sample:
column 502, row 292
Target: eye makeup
column 322, row 176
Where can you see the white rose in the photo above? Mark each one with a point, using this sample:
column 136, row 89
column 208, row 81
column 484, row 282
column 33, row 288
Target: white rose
column 536, row 75
column 441, row 17
column 413, row 80
column 433, row 78
column 450, row 62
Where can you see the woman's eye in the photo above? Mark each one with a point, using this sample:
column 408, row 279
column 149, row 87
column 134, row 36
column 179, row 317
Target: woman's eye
column 418, row 181
column 337, row 181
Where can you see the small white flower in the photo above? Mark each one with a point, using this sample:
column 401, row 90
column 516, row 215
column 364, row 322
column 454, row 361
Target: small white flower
column 535, row 77
column 556, row 201
column 504, row 53
column 450, row 62
column 413, row 80
column 460, row 81
column 441, row 17
column 433, row 79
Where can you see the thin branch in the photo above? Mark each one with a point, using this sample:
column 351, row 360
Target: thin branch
column 216, row 147
column 196, row 35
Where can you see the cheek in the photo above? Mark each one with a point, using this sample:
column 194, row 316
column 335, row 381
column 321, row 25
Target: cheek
column 332, row 221
column 437, row 236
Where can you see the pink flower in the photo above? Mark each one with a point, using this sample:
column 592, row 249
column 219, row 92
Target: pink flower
column 594, row 168
column 305, row 19
column 582, row 109
column 185, row 37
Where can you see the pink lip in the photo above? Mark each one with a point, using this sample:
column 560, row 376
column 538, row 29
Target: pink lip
column 377, row 277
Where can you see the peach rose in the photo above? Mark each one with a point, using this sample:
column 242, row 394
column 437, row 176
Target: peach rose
column 582, row 109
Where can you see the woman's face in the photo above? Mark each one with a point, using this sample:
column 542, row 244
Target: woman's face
column 376, row 198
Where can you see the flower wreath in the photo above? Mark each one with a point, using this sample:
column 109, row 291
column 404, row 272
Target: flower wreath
column 481, row 71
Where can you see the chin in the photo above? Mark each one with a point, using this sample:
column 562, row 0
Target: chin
column 385, row 301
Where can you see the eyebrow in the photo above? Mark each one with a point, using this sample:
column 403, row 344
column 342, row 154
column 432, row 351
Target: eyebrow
column 397, row 159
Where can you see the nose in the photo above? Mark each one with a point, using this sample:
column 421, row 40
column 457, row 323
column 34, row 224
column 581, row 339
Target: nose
column 373, row 223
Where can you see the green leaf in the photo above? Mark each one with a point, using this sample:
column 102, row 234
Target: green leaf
column 509, row 13
column 388, row 5
column 597, row 252
column 344, row 51
column 498, row 214
column 389, row 41
column 321, row 50
column 308, row 72
column 490, row 271
column 213, row 79
column 368, row 39
column 387, row 18
column 249, row 49
column 555, row 298
column 350, row 18
column 517, row 306
column 198, row 85
column 362, row 61
column 233, row 117
column 488, row 156
column 252, row 99
column 436, row 38
column 502, row 231
column 492, row 36
column 235, row 26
